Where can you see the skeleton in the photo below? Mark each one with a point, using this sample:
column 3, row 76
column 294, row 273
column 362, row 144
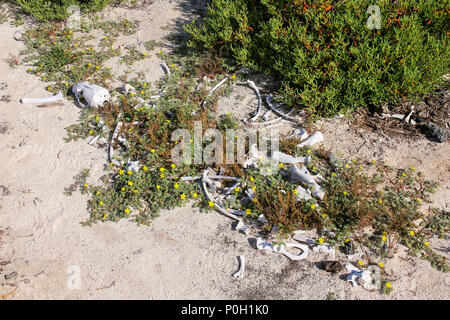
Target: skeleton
column 94, row 95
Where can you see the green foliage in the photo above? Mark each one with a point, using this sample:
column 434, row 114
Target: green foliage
column 326, row 57
column 44, row 10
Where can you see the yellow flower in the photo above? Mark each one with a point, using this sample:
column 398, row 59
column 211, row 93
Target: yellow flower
column 347, row 166
column 427, row 243
column 195, row 195
column 404, row 174
column 313, row 206
column 251, row 179
column 254, row 188
column 100, row 202
column 248, row 211
column 360, row 262
column 162, row 169
column 176, row 185
column 85, row 185
column 233, row 76
column 161, row 175
column 333, row 174
column 324, row 215
column 412, row 168
column 211, row 203
column 130, row 183
column 135, row 191
column 411, row 233
column 123, row 189
column 97, row 67
column 308, row 151
column 347, row 240
column 145, row 168
column 383, row 238
column 237, row 189
column 345, row 193
column 183, row 196
column 98, row 191
column 142, row 92
column 321, row 240
column 388, row 285
column 280, row 165
column 314, row 168
column 173, row 166
column 152, row 151
column 121, row 172
column 380, row 201
column 127, row 210
column 158, row 186
column 129, row 172
column 381, row 264
column 418, row 200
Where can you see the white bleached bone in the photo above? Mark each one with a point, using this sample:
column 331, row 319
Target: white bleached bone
column 253, row 156
column 210, row 198
column 269, row 100
column 303, row 194
column 302, row 134
column 258, row 95
column 214, row 89
column 114, row 136
column 262, row 244
column 133, row 166
column 94, row 95
column 56, row 98
column 240, row 273
column 302, row 175
column 316, row 137
column 242, row 227
column 286, row 158
column 356, row 276
column 166, row 69
column 262, row 219
column 93, row 140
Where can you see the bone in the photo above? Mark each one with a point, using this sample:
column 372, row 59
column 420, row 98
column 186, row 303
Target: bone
column 114, row 136
column 269, row 100
column 214, row 89
column 166, row 69
column 94, row 95
column 356, row 276
column 316, row 137
column 303, row 194
column 326, row 249
column 302, row 134
column 262, row 219
column 258, row 95
column 303, row 176
column 242, row 227
column 210, row 198
column 56, row 98
column 240, row 273
column 93, row 140
column 286, row 158
column 262, row 244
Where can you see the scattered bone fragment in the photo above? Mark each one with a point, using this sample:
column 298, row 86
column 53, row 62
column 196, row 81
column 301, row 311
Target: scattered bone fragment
column 114, row 137
column 303, row 194
column 93, row 140
column 316, row 137
column 258, row 95
column 302, row 134
column 286, row 158
column 240, row 273
column 302, row 175
column 242, row 227
column 214, row 89
column 269, row 100
column 262, row 244
column 56, row 98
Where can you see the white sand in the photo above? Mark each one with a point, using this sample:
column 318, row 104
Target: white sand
column 185, row 254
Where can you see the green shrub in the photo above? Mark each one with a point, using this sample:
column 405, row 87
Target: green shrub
column 326, row 57
column 57, row 9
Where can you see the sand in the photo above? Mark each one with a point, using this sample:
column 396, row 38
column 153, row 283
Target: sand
column 185, row 254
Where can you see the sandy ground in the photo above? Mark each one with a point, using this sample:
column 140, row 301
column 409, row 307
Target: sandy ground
column 185, row 254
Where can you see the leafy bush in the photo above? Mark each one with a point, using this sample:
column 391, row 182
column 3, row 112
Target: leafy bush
column 57, row 9
column 326, row 57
